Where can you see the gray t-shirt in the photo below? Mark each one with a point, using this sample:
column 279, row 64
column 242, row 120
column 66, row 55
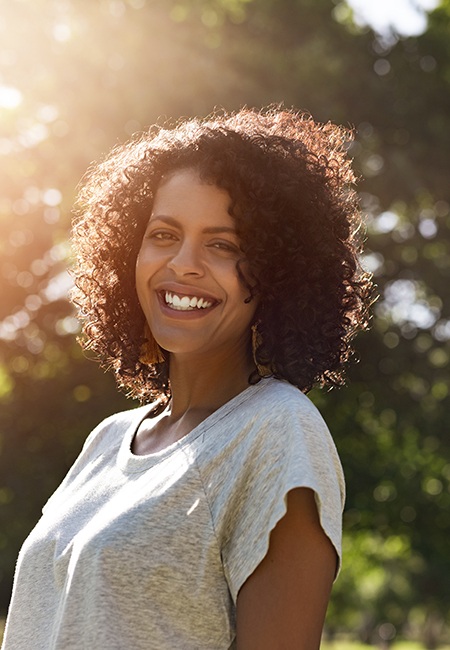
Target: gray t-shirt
column 149, row 552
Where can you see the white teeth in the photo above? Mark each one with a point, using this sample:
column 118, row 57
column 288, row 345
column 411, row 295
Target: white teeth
column 185, row 303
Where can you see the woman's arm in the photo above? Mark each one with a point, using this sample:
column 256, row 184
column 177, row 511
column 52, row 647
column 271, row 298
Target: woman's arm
column 282, row 605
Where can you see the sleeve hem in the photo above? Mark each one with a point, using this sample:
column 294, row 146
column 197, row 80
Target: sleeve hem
column 237, row 577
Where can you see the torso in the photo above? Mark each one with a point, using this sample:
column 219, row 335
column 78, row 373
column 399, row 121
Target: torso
column 157, row 546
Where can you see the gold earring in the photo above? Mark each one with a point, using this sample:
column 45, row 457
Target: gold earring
column 150, row 351
column 263, row 371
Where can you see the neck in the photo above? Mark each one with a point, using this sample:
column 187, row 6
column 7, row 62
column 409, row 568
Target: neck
column 200, row 383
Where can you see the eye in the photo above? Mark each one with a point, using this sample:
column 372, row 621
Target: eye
column 225, row 246
column 161, row 236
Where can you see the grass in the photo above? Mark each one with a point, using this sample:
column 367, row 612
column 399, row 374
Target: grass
column 355, row 645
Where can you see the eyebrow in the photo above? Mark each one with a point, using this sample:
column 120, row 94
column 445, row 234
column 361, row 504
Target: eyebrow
column 174, row 222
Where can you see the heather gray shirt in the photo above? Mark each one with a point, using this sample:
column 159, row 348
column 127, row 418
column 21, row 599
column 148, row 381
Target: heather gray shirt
column 149, row 552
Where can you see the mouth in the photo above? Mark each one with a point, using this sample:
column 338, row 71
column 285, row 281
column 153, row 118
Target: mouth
column 186, row 303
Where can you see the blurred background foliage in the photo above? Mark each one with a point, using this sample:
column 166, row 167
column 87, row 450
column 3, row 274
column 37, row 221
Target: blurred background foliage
column 76, row 77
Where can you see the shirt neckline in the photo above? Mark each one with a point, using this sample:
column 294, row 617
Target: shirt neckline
column 132, row 463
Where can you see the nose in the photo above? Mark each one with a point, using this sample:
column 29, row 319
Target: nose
column 186, row 260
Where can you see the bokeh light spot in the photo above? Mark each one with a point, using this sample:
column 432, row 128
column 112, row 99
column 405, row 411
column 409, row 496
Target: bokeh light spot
column 385, row 492
column 51, row 196
column 38, row 267
column 428, row 63
column 20, row 364
column 24, row 279
column 432, row 486
column 21, row 237
column 427, row 228
column 439, row 390
column 20, row 207
column 82, row 393
column 62, row 32
column 33, row 302
column 382, row 67
column 47, row 113
column 391, row 340
column 438, row 357
column 10, row 97
column 68, row 325
column 385, row 222
column 408, row 514
column 51, row 215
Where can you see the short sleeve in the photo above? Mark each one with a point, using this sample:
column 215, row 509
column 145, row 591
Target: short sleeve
column 285, row 447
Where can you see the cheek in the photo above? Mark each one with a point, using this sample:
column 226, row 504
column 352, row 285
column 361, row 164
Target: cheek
column 144, row 271
column 233, row 283
column 147, row 262
column 144, row 256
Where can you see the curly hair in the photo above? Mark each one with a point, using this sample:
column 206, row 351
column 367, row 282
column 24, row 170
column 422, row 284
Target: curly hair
column 297, row 215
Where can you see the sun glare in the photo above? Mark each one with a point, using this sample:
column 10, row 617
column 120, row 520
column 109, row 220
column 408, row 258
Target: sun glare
column 404, row 17
column 10, row 97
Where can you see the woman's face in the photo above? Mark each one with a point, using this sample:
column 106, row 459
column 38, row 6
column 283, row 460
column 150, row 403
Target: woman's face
column 186, row 275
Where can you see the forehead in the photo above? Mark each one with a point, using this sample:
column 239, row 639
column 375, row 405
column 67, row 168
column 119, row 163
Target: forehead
column 185, row 193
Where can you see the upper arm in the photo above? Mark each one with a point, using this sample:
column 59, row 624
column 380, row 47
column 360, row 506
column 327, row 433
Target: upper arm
column 282, row 604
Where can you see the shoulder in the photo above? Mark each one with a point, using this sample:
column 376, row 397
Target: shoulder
column 291, row 430
column 272, row 430
column 277, row 395
column 283, row 413
column 114, row 428
column 268, row 419
column 125, row 418
column 103, row 441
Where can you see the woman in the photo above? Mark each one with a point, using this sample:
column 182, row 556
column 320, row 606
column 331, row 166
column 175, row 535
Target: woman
column 218, row 277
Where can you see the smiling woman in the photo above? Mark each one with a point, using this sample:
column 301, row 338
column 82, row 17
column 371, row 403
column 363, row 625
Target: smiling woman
column 218, row 276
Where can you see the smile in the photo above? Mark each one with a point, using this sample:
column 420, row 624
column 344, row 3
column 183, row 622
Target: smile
column 185, row 303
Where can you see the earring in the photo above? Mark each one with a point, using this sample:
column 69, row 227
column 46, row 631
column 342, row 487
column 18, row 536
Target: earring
column 263, row 371
column 150, row 351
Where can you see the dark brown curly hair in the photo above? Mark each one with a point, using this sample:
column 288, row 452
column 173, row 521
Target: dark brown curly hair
column 297, row 215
